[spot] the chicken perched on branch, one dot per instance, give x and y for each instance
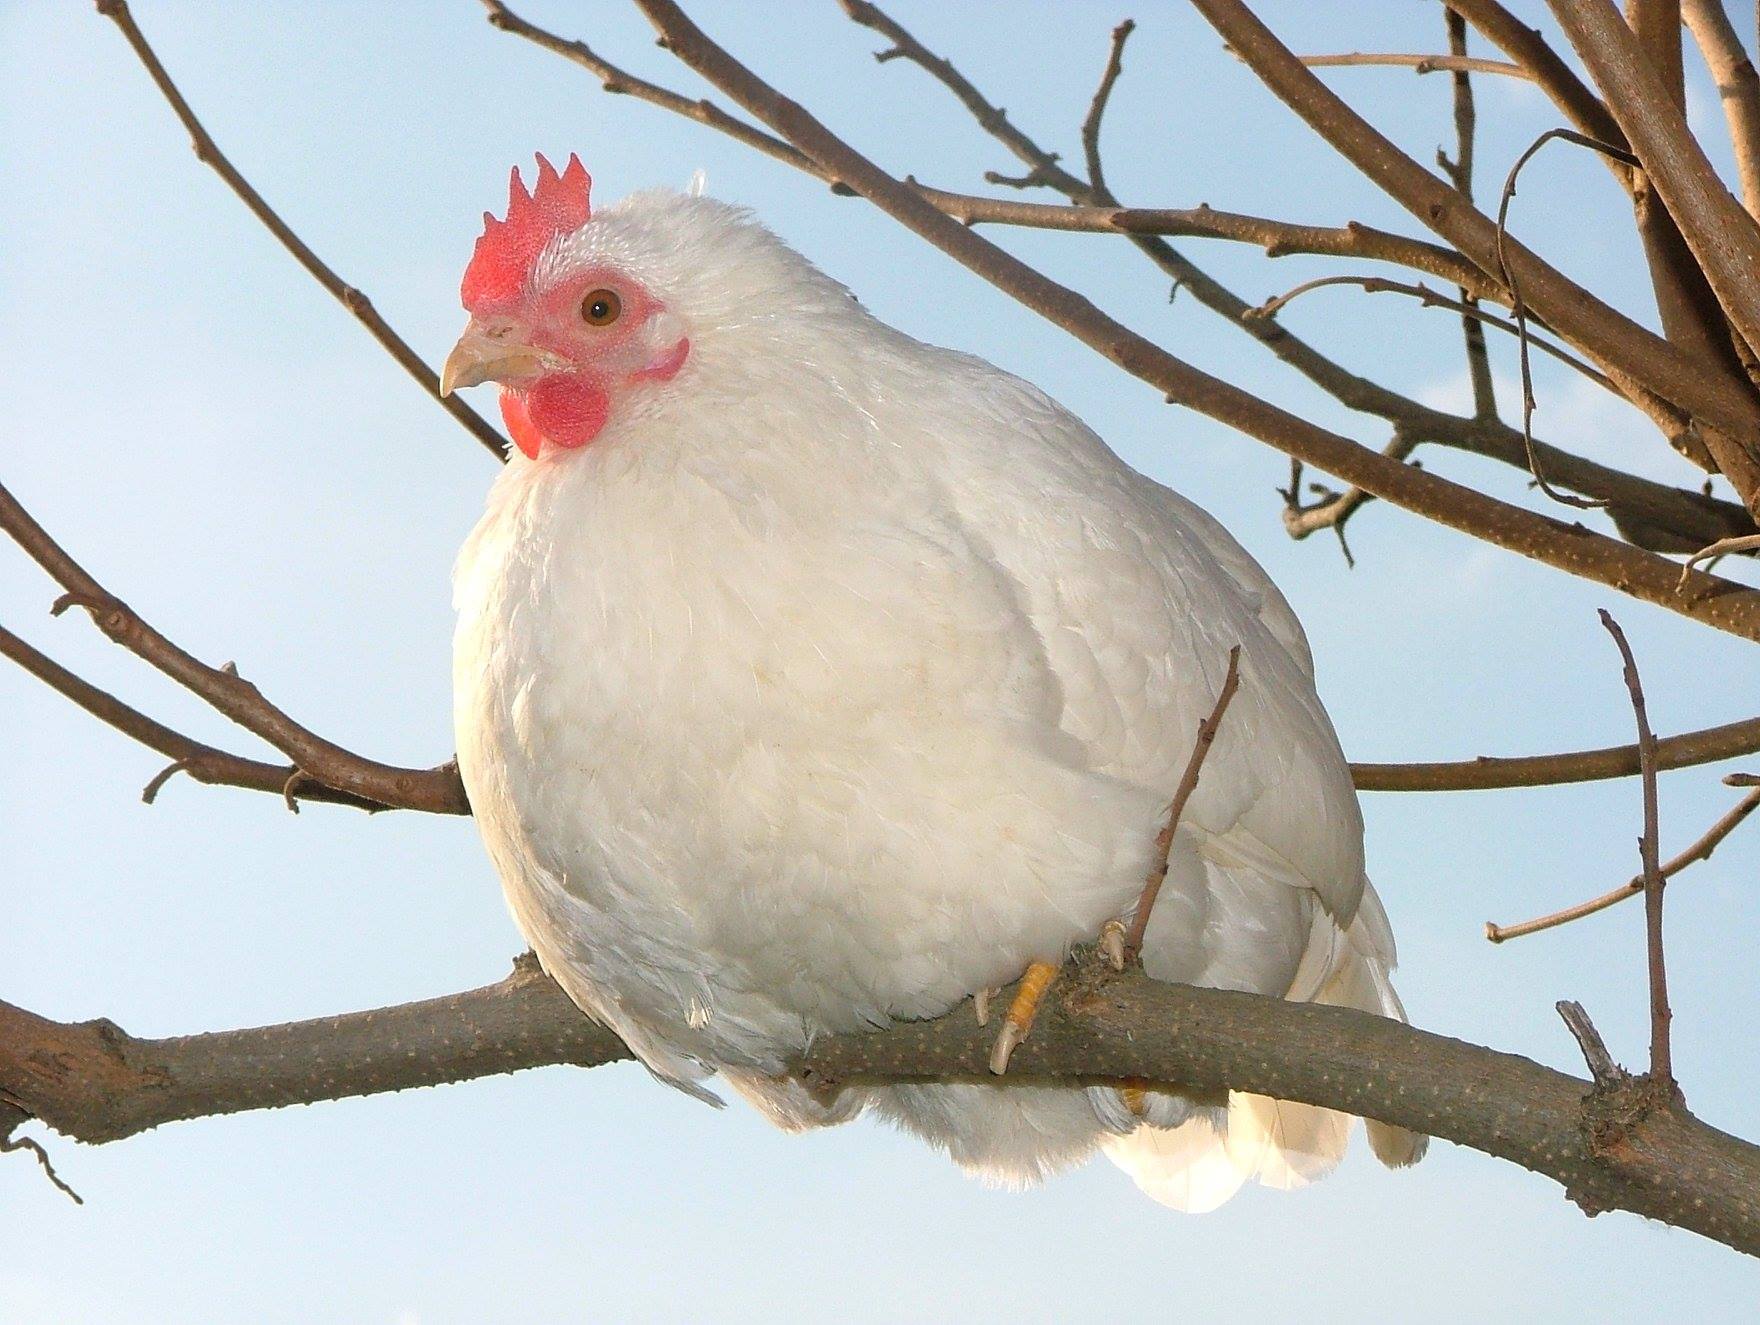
(809, 678)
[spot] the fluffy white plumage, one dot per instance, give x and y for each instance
(842, 676)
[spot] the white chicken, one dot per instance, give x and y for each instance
(809, 678)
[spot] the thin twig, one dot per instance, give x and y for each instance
(1700, 850)
(1429, 298)
(1648, 514)
(351, 297)
(1188, 783)
(1423, 64)
(1723, 547)
(1578, 550)
(436, 790)
(11, 1116)
(204, 763)
(1640, 510)
(1097, 108)
(1459, 169)
(1519, 307)
(1493, 772)
(1661, 1059)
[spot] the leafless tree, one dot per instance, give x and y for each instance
(1615, 1140)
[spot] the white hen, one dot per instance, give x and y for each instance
(809, 678)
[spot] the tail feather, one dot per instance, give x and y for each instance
(1184, 1168)
(1198, 1165)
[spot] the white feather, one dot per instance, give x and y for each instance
(842, 676)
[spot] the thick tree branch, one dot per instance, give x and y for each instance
(351, 298)
(1571, 548)
(1647, 514)
(1723, 237)
(437, 790)
(94, 1082)
(1737, 85)
(1626, 351)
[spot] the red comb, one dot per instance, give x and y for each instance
(507, 249)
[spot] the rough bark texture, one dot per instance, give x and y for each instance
(1610, 1147)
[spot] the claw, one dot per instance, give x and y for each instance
(981, 1005)
(1112, 943)
(1007, 1040)
(1021, 1012)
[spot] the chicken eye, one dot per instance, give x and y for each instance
(601, 308)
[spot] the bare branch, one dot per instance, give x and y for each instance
(1577, 550)
(1661, 1060)
(94, 1082)
(437, 790)
(1493, 772)
(1188, 783)
(1460, 174)
(1649, 515)
(351, 297)
(1622, 348)
(1423, 64)
(1700, 850)
(1097, 108)
(1722, 236)
(204, 763)
(1433, 299)
(1737, 85)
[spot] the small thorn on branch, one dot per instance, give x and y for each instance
(1605, 1072)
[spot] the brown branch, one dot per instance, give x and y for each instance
(1647, 514)
(1737, 85)
(1700, 850)
(1529, 50)
(1519, 306)
(1460, 173)
(1574, 549)
(204, 763)
(96, 1083)
(1723, 238)
(1661, 1059)
(1423, 64)
(1651, 515)
(1622, 348)
(437, 790)
(1493, 772)
(1429, 298)
(351, 297)
(1188, 783)
(1097, 108)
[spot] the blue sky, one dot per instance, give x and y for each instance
(216, 440)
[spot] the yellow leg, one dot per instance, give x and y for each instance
(1021, 1012)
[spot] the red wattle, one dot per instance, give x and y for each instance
(568, 409)
(519, 423)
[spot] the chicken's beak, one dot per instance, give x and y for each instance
(490, 352)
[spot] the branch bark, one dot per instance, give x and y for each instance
(351, 297)
(1572, 548)
(1737, 85)
(94, 1082)
(437, 790)
(1626, 351)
